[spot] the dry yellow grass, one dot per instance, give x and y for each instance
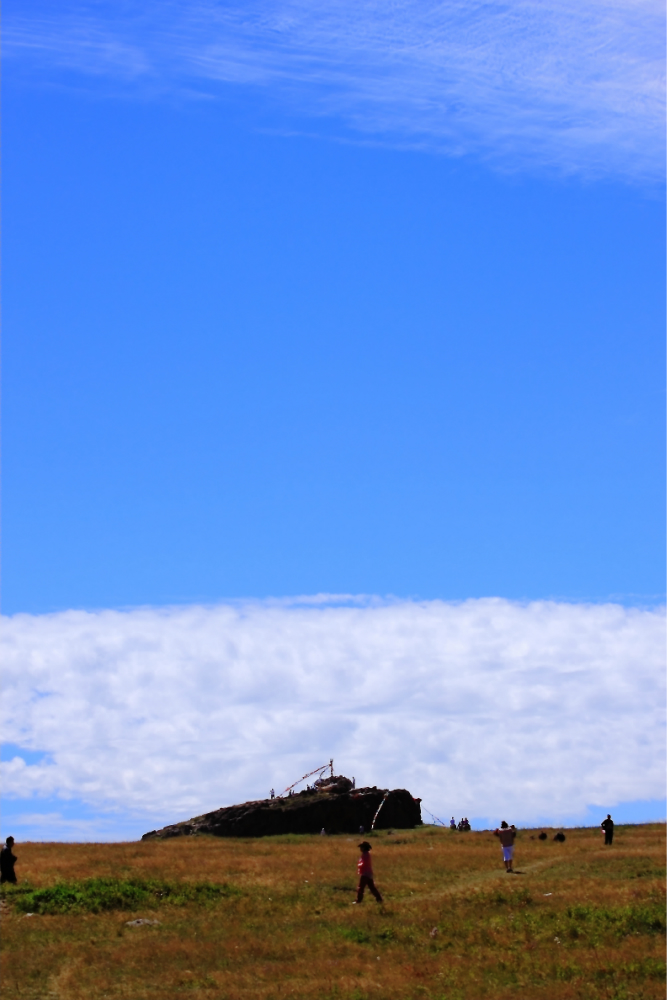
(581, 921)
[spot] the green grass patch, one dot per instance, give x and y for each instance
(646, 919)
(355, 935)
(363, 936)
(107, 894)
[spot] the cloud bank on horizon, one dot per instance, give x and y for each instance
(486, 708)
(568, 86)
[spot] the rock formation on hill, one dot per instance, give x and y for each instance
(333, 805)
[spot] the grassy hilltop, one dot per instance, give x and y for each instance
(273, 918)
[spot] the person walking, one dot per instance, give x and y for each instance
(7, 860)
(608, 828)
(507, 834)
(365, 871)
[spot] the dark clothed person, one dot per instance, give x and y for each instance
(365, 871)
(608, 828)
(7, 861)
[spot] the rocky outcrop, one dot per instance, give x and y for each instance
(337, 809)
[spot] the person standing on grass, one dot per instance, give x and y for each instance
(608, 828)
(7, 860)
(365, 871)
(507, 835)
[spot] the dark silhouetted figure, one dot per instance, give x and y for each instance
(7, 860)
(542, 836)
(608, 828)
(365, 871)
(559, 837)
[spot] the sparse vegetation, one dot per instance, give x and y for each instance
(272, 918)
(108, 894)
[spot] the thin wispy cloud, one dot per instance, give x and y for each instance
(568, 86)
(486, 708)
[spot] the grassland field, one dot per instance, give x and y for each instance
(274, 918)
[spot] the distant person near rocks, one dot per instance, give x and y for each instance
(452, 824)
(507, 835)
(365, 871)
(608, 828)
(7, 861)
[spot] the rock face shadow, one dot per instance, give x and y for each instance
(334, 807)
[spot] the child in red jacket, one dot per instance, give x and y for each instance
(365, 870)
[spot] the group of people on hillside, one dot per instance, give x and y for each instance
(506, 834)
(463, 824)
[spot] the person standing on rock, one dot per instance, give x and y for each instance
(7, 861)
(608, 828)
(507, 835)
(365, 871)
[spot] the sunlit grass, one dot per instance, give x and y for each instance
(273, 918)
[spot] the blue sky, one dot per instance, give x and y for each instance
(331, 301)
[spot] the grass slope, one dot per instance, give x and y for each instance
(272, 918)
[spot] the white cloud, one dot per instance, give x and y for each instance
(484, 708)
(575, 85)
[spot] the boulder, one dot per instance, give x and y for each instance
(307, 812)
